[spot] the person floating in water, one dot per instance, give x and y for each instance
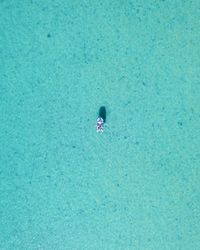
(100, 124)
(101, 119)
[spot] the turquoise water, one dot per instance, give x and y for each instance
(64, 186)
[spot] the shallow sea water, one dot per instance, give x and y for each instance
(64, 186)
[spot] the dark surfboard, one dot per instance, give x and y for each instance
(102, 113)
